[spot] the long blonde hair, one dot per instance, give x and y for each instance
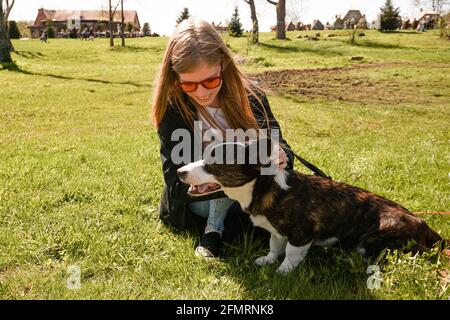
(196, 41)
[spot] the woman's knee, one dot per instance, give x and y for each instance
(214, 207)
(200, 208)
(220, 206)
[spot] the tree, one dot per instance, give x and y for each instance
(112, 12)
(50, 29)
(235, 25)
(7, 7)
(294, 10)
(406, 25)
(122, 24)
(255, 28)
(5, 56)
(439, 6)
(183, 15)
(146, 29)
(390, 17)
(23, 28)
(444, 22)
(13, 30)
(281, 17)
(129, 27)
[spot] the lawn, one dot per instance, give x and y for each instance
(80, 175)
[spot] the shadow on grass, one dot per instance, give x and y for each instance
(326, 273)
(400, 32)
(29, 54)
(306, 49)
(13, 67)
(378, 45)
(278, 48)
(135, 48)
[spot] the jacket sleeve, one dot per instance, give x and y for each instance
(176, 188)
(271, 123)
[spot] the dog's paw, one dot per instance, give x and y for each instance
(262, 261)
(285, 268)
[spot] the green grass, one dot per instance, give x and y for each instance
(80, 175)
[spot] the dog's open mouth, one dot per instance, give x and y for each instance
(203, 189)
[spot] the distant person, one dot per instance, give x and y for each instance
(91, 33)
(421, 27)
(85, 34)
(44, 36)
(199, 79)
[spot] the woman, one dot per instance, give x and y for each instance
(199, 81)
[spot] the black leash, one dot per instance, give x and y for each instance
(312, 167)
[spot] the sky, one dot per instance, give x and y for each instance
(162, 14)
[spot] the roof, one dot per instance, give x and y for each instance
(100, 15)
(355, 14)
(420, 14)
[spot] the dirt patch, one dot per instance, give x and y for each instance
(342, 83)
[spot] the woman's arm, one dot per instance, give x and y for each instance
(176, 188)
(169, 123)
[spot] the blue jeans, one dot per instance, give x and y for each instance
(214, 210)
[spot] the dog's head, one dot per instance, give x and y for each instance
(230, 165)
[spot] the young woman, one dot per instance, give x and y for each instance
(199, 81)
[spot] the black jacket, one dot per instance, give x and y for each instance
(173, 206)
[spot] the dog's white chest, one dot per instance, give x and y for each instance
(262, 222)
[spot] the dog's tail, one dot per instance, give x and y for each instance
(445, 247)
(432, 238)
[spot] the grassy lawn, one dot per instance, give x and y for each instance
(80, 175)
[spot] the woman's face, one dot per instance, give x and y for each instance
(203, 96)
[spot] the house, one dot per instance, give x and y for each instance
(219, 28)
(290, 26)
(429, 20)
(65, 20)
(376, 24)
(338, 23)
(317, 25)
(362, 23)
(352, 18)
(421, 20)
(300, 26)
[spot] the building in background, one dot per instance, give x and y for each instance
(67, 20)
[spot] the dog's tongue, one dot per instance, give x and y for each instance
(203, 187)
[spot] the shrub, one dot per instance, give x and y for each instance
(235, 26)
(13, 30)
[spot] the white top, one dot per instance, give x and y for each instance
(218, 115)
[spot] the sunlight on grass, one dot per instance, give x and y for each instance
(81, 178)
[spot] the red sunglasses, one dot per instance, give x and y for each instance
(210, 83)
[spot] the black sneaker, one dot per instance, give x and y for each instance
(210, 245)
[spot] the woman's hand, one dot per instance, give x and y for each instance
(282, 159)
